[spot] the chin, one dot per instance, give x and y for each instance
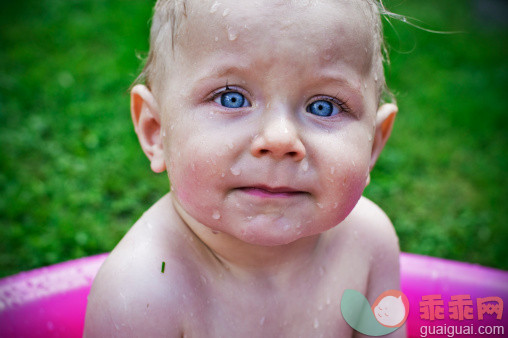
(272, 237)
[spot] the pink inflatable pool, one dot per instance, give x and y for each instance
(51, 301)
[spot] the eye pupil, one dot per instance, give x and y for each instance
(232, 100)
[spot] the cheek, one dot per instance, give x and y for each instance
(196, 163)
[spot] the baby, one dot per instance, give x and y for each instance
(266, 115)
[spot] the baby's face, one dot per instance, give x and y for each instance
(268, 115)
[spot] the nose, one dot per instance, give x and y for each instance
(278, 138)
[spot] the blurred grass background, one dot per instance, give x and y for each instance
(73, 178)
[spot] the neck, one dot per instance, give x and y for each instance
(248, 259)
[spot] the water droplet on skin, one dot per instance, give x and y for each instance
(163, 133)
(354, 164)
(335, 205)
(305, 165)
(214, 7)
(171, 126)
(235, 171)
(216, 214)
(248, 218)
(223, 175)
(286, 227)
(262, 321)
(232, 35)
(370, 138)
(316, 323)
(320, 205)
(203, 279)
(216, 38)
(375, 77)
(365, 85)
(226, 12)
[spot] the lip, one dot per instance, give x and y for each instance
(272, 192)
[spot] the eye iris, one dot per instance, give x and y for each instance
(232, 100)
(320, 108)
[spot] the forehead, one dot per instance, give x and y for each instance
(335, 25)
(339, 25)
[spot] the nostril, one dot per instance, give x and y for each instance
(292, 153)
(263, 151)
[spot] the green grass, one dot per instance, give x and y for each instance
(73, 178)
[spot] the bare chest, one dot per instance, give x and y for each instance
(308, 308)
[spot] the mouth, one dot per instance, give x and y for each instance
(273, 192)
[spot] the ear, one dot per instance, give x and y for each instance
(146, 119)
(384, 123)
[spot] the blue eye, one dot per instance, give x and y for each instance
(232, 100)
(322, 108)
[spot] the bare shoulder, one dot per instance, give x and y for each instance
(379, 236)
(131, 295)
(374, 224)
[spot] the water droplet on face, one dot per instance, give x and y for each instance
(226, 12)
(232, 35)
(235, 171)
(223, 175)
(320, 205)
(316, 323)
(305, 164)
(365, 85)
(370, 138)
(216, 38)
(214, 7)
(262, 321)
(286, 227)
(375, 77)
(163, 133)
(216, 214)
(335, 205)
